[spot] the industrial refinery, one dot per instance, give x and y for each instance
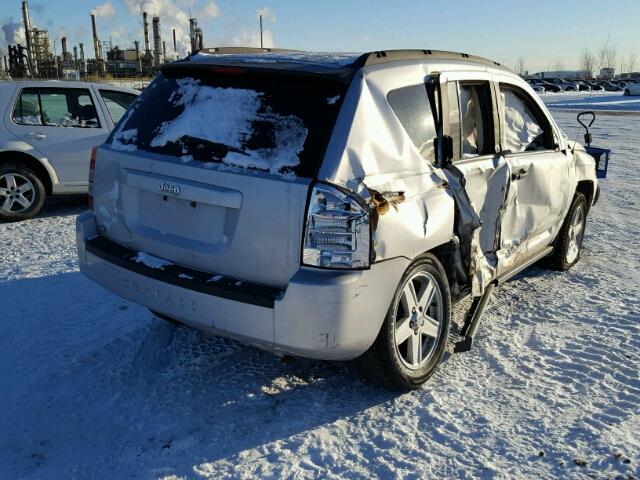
(38, 57)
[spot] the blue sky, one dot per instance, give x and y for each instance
(542, 32)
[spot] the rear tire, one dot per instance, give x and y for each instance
(627, 92)
(413, 337)
(569, 242)
(22, 193)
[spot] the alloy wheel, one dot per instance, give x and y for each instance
(419, 314)
(576, 232)
(17, 193)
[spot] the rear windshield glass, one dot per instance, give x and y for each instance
(276, 124)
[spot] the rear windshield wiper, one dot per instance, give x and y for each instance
(215, 146)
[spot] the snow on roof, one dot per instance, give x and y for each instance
(324, 59)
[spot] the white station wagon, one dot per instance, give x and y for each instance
(47, 132)
(333, 206)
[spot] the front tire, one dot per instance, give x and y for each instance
(22, 193)
(413, 337)
(569, 242)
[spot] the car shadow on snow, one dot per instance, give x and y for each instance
(56, 206)
(100, 377)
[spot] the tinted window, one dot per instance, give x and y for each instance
(476, 120)
(27, 108)
(411, 106)
(273, 123)
(56, 107)
(117, 103)
(525, 127)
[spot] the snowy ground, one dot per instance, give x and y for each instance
(94, 387)
(597, 100)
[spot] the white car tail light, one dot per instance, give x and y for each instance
(92, 167)
(337, 231)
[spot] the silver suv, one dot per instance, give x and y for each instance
(47, 132)
(333, 206)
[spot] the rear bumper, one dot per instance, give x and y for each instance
(320, 314)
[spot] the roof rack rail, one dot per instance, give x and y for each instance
(241, 50)
(385, 56)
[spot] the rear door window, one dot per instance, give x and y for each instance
(476, 120)
(411, 106)
(117, 103)
(275, 123)
(56, 107)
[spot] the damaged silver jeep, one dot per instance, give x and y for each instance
(333, 206)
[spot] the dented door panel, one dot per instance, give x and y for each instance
(535, 206)
(487, 185)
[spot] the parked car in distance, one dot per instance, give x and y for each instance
(632, 88)
(46, 136)
(564, 85)
(582, 85)
(241, 197)
(610, 87)
(595, 86)
(535, 87)
(548, 87)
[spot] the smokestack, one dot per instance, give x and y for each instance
(81, 46)
(199, 39)
(164, 49)
(145, 24)
(75, 53)
(175, 47)
(65, 52)
(157, 40)
(136, 44)
(193, 25)
(261, 44)
(27, 35)
(96, 44)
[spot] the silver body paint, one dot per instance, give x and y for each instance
(255, 222)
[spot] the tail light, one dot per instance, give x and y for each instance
(337, 231)
(92, 167)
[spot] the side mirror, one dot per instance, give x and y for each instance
(447, 149)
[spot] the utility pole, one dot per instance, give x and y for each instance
(261, 43)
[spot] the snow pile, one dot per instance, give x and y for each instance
(599, 101)
(125, 140)
(151, 261)
(226, 116)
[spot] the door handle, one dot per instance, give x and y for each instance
(519, 174)
(37, 136)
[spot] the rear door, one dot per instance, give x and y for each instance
(471, 120)
(540, 188)
(211, 169)
(63, 124)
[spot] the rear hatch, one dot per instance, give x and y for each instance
(211, 167)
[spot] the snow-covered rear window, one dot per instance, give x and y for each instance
(274, 124)
(524, 128)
